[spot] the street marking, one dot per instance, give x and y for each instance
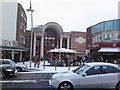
(19, 81)
(23, 81)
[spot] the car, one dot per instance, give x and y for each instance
(19, 66)
(7, 70)
(94, 75)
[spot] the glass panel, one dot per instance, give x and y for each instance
(107, 69)
(94, 70)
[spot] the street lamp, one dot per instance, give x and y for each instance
(31, 10)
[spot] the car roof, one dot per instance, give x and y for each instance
(101, 63)
(7, 60)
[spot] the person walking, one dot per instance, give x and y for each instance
(36, 60)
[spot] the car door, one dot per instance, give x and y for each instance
(109, 76)
(92, 79)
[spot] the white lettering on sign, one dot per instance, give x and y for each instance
(8, 43)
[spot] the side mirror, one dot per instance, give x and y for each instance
(84, 74)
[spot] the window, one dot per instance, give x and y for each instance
(23, 26)
(22, 39)
(81, 69)
(94, 70)
(115, 70)
(6, 62)
(110, 69)
(107, 69)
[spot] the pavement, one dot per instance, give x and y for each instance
(45, 67)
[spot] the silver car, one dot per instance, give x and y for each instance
(90, 75)
(19, 66)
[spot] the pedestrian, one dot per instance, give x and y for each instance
(36, 60)
(65, 59)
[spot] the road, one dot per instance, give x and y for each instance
(30, 81)
(27, 81)
(26, 85)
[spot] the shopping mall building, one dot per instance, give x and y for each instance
(103, 41)
(51, 36)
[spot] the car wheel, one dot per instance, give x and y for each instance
(118, 86)
(19, 69)
(65, 86)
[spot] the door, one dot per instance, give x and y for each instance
(92, 79)
(109, 76)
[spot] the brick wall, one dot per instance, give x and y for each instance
(78, 41)
(28, 38)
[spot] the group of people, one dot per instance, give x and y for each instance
(66, 60)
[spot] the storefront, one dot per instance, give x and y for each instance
(48, 37)
(103, 41)
(10, 50)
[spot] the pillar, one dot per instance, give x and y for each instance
(1, 53)
(20, 55)
(42, 46)
(34, 47)
(61, 39)
(68, 43)
(12, 54)
(57, 44)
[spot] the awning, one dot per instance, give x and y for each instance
(13, 48)
(109, 50)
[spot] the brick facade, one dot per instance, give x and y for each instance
(78, 42)
(21, 25)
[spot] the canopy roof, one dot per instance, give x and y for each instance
(109, 50)
(13, 48)
(62, 50)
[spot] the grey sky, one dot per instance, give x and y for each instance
(72, 15)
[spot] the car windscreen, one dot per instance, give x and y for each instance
(80, 69)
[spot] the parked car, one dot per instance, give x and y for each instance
(89, 75)
(7, 70)
(19, 66)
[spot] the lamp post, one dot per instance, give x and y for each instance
(31, 10)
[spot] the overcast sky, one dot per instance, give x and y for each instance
(71, 15)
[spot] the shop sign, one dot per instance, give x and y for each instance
(8, 43)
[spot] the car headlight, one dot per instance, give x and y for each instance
(8, 69)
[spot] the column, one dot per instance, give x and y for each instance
(57, 43)
(20, 55)
(1, 53)
(42, 46)
(34, 47)
(68, 43)
(61, 41)
(12, 54)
